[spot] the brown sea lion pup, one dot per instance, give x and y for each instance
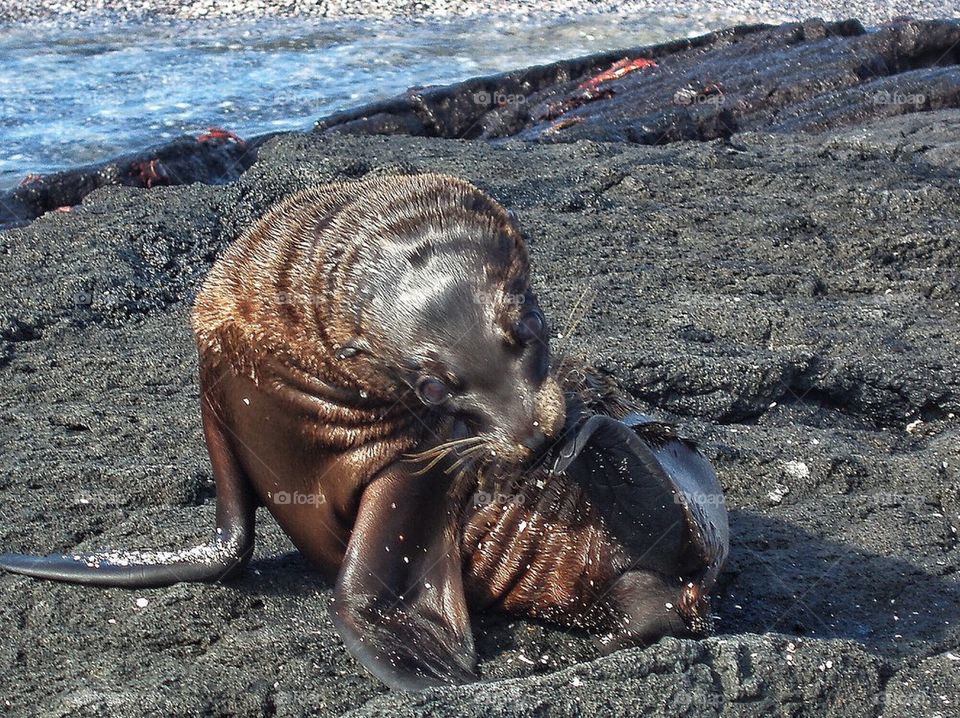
(368, 351)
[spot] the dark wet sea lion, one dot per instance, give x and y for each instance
(368, 351)
(622, 531)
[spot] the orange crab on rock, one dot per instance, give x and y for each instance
(150, 173)
(218, 134)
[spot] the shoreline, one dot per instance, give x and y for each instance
(659, 96)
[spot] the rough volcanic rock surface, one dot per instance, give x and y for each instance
(215, 157)
(809, 76)
(791, 301)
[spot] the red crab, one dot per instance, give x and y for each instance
(590, 90)
(151, 173)
(616, 71)
(218, 134)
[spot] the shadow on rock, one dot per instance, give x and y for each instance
(781, 578)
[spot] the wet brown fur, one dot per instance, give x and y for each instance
(262, 305)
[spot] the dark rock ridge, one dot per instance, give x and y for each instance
(216, 159)
(790, 299)
(808, 76)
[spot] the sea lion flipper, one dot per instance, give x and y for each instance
(224, 556)
(660, 497)
(655, 486)
(399, 603)
(630, 488)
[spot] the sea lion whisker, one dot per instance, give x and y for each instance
(465, 456)
(580, 309)
(575, 317)
(486, 481)
(467, 453)
(442, 448)
(436, 460)
(438, 453)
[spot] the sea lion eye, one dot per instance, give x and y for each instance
(529, 327)
(432, 392)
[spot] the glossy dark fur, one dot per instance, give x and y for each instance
(372, 362)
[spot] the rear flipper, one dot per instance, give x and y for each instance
(399, 603)
(132, 569)
(661, 500)
(641, 607)
(221, 558)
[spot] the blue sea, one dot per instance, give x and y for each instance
(73, 95)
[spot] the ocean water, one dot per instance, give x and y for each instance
(70, 96)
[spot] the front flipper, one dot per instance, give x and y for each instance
(399, 603)
(626, 483)
(223, 557)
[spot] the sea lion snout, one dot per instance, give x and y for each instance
(551, 407)
(533, 425)
(519, 445)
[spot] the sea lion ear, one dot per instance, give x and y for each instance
(661, 499)
(399, 603)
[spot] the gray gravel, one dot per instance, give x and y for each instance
(871, 12)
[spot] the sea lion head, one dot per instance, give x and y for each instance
(443, 317)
